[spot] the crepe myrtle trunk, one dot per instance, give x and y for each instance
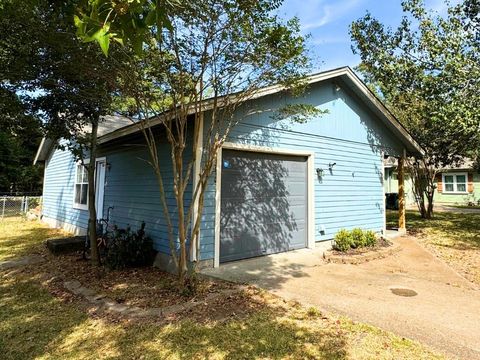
(423, 177)
(92, 219)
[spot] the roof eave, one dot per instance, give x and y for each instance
(43, 150)
(411, 146)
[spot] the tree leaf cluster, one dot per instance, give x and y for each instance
(428, 72)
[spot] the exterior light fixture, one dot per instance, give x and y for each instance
(319, 172)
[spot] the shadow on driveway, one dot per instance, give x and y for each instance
(444, 313)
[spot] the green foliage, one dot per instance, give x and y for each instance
(20, 134)
(126, 248)
(66, 84)
(428, 71)
(358, 238)
(223, 50)
(343, 240)
(125, 22)
(355, 238)
(370, 238)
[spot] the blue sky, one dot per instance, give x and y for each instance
(328, 21)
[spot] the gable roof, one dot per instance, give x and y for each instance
(348, 77)
(346, 74)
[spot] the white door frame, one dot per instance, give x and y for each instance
(100, 185)
(265, 149)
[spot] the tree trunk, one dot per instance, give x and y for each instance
(92, 220)
(423, 178)
(429, 210)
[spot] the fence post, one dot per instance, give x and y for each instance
(26, 204)
(3, 207)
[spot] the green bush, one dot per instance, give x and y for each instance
(343, 240)
(126, 248)
(370, 238)
(356, 238)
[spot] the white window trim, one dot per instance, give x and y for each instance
(75, 204)
(455, 191)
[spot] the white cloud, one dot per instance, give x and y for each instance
(322, 40)
(317, 13)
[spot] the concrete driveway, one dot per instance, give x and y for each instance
(444, 314)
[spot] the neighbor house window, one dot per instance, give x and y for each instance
(81, 187)
(455, 183)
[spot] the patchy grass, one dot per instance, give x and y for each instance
(466, 206)
(143, 287)
(453, 237)
(19, 237)
(34, 324)
(39, 320)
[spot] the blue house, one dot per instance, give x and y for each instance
(278, 185)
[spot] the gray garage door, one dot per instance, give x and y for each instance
(263, 204)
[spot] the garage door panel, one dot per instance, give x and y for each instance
(263, 204)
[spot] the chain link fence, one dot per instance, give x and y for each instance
(16, 205)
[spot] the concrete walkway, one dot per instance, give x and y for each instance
(444, 313)
(456, 210)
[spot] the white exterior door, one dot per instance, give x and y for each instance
(100, 169)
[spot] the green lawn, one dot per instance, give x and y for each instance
(454, 237)
(37, 322)
(19, 237)
(466, 206)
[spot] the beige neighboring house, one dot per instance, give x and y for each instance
(455, 185)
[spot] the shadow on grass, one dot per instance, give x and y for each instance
(462, 231)
(34, 324)
(30, 319)
(262, 335)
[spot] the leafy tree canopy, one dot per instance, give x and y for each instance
(20, 135)
(67, 84)
(428, 71)
(220, 50)
(126, 22)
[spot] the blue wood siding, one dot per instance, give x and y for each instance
(131, 188)
(58, 190)
(351, 195)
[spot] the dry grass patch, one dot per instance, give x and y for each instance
(35, 324)
(19, 237)
(39, 319)
(453, 237)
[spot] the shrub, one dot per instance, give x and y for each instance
(358, 238)
(126, 248)
(370, 238)
(343, 240)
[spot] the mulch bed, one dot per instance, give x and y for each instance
(382, 249)
(145, 288)
(381, 244)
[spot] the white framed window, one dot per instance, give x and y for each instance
(455, 183)
(80, 191)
